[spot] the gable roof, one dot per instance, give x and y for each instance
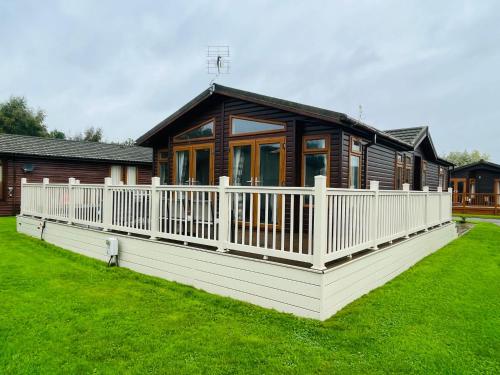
(286, 105)
(412, 136)
(415, 136)
(66, 149)
(480, 163)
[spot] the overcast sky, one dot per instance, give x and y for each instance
(126, 65)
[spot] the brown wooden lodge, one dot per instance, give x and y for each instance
(261, 140)
(36, 158)
(476, 188)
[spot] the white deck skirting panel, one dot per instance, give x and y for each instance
(349, 281)
(300, 291)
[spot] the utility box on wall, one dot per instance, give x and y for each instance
(112, 246)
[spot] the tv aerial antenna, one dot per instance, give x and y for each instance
(218, 61)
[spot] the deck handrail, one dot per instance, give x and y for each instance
(315, 225)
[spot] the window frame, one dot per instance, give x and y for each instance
(442, 175)
(128, 168)
(199, 125)
(423, 173)
(160, 161)
(254, 119)
(121, 173)
(407, 169)
(315, 151)
(359, 155)
(471, 184)
(399, 166)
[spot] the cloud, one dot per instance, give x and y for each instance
(127, 65)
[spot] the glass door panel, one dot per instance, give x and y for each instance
(182, 167)
(242, 175)
(202, 166)
(242, 165)
(269, 167)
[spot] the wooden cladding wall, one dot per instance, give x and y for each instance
(221, 109)
(58, 171)
(377, 161)
(380, 165)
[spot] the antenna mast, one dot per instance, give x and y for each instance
(218, 61)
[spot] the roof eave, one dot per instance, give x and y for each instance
(335, 117)
(143, 139)
(73, 158)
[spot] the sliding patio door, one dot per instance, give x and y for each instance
(257, 162)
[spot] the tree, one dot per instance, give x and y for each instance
(90, 134)
(17, 118)
(57, 134)
(128, 142)
(463, 158)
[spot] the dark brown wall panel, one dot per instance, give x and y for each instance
(380, 166)
(58, 171)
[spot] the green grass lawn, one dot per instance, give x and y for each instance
(64, 313)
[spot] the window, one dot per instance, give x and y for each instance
(424, 173)
(116, 174)
(399, 175)
(131, 175)
(407, 177)
(472, 186)
(202, 131)
(2, 187)
(355, 145)
(315, 155)
(161, 166)
(240, 125)
(355, 163)
(442, 178)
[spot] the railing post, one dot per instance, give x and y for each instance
(426, 190)
(155, 207)
(320, 223)
(440, 191)
(374, 215)
(450, 193)
(406, 188)
(224, 214)
(71, 200)
(23, 197)
(45, 195)
(107, 205)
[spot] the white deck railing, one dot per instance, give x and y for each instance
(314, 225)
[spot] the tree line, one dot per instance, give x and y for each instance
(16, 117)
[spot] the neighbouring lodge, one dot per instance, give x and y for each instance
(261, 140)
(476, 188)
(36, 158)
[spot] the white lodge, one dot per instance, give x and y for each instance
(265, 234)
